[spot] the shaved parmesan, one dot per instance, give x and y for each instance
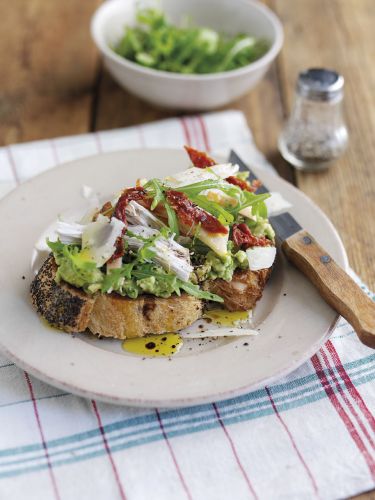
(224, 170)
(218, 332)
(216, 241)
(246, 212)
(260, 257)
(194, 174)
(277, 204)
(99, 239)
(69, 232)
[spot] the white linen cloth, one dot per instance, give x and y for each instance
(310, 435)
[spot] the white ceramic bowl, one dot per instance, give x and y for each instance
(190, 92)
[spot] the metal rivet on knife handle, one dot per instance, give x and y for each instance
(325, 259)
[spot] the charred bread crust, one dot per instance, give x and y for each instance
(121, 317)
(243, 291)
(61, 304)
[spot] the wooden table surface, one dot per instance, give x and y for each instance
(52, 84)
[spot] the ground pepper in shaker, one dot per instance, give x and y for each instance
(315, 134)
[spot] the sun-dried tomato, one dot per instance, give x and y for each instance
(119, 248)
(199, 159)
(190, 215)
(244, 185)
(130, 194)
(244, 238)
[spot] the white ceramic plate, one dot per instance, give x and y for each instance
(292, 319)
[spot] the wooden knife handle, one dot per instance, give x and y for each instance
(333, 283)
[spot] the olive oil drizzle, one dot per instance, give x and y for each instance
(226, 318)
(154, 345)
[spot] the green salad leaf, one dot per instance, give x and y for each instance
(73, 265)
(154, 42)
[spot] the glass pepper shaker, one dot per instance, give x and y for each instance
(315, 134)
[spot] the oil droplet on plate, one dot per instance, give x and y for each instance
(153, 346)
(227, 318)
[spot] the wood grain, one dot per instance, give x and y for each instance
(48, 68)
(333, 283)
(343, 38)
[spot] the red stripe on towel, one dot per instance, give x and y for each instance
(237, 458)
(180, 475)
(186, 131)
(308, 471)
(42, 437)
(350, 386)
(108, 450)
(342, 414)
(204, 133)
(344, 397)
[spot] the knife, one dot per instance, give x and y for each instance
(336, 287)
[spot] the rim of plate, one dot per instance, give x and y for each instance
(183, 401)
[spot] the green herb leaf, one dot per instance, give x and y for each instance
(156, 190)
(155, 42)
(197, 292)
(251, 199)
(223, 216)
(172, 219)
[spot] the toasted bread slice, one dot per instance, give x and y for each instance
(245, 289)
(61, 304)
(121, 317)
(72, 310)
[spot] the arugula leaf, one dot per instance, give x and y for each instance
(172, 219)
(248, 199)
(260, 209)
(56, 246)
(223, 216)
(197, 292)
(156, 190)
(154, 187)
(197, 187)
(111, 279)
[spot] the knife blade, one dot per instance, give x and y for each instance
(335, 286)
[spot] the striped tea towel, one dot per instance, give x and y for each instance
(311, 435)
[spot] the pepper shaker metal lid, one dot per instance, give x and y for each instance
(320, 84)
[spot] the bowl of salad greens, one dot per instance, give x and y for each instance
(187, 55)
